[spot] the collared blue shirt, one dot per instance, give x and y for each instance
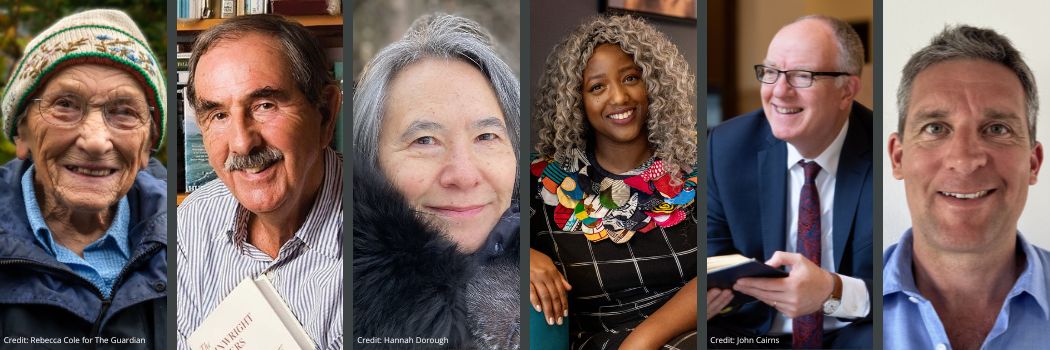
(103, 259)
(910, 321)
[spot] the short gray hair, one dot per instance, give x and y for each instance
(966, 42)
(851, 49)
(430, 36)
(306, 60)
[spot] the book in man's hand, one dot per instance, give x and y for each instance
(724, 270)
(252, 316)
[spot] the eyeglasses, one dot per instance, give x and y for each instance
(68, 110)
(796, 78)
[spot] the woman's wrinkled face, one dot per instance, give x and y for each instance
(444, 145)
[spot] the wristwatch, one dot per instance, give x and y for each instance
(835, 299)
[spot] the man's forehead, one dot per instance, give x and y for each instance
(981, 87)
(807, 44)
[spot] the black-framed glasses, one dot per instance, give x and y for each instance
(796, 78)
(68, 110)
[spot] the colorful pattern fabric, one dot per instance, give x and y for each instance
(613, 207)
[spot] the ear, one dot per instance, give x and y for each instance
(333, 100)
(21, 144)
(1036, 161)
(896, 151)
(850, 90)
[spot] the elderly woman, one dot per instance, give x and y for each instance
(435, 226)
(82, 229)
(613, 216)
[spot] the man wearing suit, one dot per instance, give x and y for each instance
(791, 184)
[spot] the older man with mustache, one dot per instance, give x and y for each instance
(267, 118)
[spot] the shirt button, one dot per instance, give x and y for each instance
(942, 347)
(916, 300)
(159, 286)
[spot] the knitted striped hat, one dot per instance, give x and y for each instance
(106, 37)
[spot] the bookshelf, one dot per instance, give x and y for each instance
(318, 21)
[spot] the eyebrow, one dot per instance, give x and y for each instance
(773, 65)
(489, 123)
(268, 92)
(941, 114)
(264, 92)
(420, 126)
(625, 68)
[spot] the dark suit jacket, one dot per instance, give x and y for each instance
(747, 194)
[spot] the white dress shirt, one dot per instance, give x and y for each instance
(855, 302)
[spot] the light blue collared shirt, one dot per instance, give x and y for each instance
(103, 259)
(910, 322)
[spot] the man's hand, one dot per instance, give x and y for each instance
(547, 288)
(801, 293)
(717, 299)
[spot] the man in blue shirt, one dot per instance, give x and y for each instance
(963, 277)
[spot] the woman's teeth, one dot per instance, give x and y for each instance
(90, 172)
(622, 116)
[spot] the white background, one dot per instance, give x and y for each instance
(909, 25)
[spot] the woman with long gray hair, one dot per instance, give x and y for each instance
(435, 221)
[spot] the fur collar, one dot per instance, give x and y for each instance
(408, 280)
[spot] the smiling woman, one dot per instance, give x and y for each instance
(435, 223)
(613, 225)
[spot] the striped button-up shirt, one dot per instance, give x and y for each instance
(214, 256)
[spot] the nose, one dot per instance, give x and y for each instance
(965, 153)
(461, 169)
(781, 87)
(95, 137)
(619, 94)
(243, 134)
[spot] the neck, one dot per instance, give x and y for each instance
(71, 229)
(963, 282)
(270, 230)
(619, 158)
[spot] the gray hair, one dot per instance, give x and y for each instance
(306, 60)
(851, 49)
(430, 36)
(966, 42)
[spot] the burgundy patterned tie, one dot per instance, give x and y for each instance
(808, 330)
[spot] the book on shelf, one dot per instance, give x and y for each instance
(724, 270)
(195, 160)
(252, 316)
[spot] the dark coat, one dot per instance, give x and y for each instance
(42, 297)
(409, 281)
(747, 199)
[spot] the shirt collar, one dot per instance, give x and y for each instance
(1033, 279)
(828, 159)
(118, 228)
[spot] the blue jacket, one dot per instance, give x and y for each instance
(747, 199)
(42, 297)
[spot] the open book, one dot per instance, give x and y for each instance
(252, 316)
(724, 270)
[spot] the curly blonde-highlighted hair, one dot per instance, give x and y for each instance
(559, 107)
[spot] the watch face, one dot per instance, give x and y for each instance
(830, 306)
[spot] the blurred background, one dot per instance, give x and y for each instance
(20, 21)
(377, 23)
(738, 37)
